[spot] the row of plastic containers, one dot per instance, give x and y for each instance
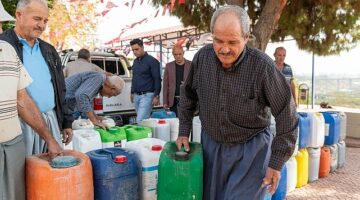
(309, 165)
(320, 150)
(147, 169)
(319, 129)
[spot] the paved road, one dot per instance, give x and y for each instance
(343, 184)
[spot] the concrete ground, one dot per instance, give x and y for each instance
(343, 184)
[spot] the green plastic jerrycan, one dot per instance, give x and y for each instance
(136, 132)
(180, 174)
(114, 137)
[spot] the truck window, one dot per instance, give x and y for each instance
(112, 65)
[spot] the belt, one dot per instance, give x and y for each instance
(141, 93)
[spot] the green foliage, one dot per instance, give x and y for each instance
(320, 26)
(324, 27)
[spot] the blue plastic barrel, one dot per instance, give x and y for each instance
(280, 192)
(304, 130)
(116, 174)
(332, 127)
(163, 114)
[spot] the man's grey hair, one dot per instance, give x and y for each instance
(279, 48)
(239, 12)
(23, 3)
(117, 82)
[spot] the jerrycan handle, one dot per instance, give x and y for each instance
(109, 152)
(181, 155)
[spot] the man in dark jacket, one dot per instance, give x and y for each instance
(44, 66)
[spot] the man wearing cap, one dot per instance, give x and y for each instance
(44, 66)
(15, 101)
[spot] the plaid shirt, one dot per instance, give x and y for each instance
(81, 88)
(235, 103)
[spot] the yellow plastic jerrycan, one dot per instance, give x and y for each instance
(302, 159)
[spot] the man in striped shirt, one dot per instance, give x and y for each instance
(235, 86)
(81, 89)
(14, 101)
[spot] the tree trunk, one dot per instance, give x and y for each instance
(267, 22)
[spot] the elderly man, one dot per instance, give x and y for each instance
(175, 74)
(44, 66)
(81, 89)
(235, 85)
(15, 101)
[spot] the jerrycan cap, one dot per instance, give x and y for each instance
(156, 148)
(162, 121)
(113, 130)
(64, 162)
(181, 155)
(120, 159)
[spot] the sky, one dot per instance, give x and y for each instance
(110, 25)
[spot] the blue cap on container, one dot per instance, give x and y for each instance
(64, 162)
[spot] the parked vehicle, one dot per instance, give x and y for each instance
(118, 65)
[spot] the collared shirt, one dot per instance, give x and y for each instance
(80, 65)
(13, 77)
(287, 72)
(146, 75)
(234, 103)
(41, 89)
(81, 89)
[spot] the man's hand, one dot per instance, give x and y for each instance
(156, 101)
(100, 118)
(54, 149)
(100, 124)
(271, 179)
(67, 135)
(183, 140)
(132, 98)
(166, 106)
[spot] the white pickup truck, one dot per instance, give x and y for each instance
(119, 65)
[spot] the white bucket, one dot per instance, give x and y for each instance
(82, 124)
(291, 166)
(196, 129)
(314, 163)
(150, 123)
(85, 140)
(162, 130)
(317, 128)
(148, 150)
(174, 128)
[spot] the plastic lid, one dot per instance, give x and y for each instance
(113, 130)
(162, 121)
(64, 162)
(156, 148)
(120, 159)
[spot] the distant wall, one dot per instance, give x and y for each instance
(353, 124)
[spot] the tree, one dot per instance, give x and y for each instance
(71, 25)
(320, 26)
